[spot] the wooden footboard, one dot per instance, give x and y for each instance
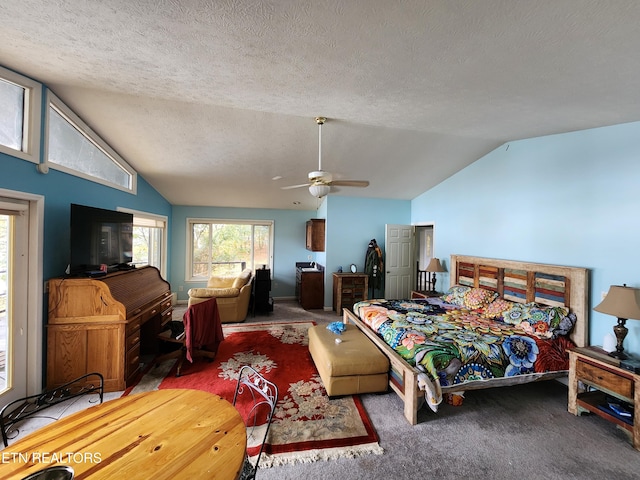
(403, 378)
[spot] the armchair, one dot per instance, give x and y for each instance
(232, 293)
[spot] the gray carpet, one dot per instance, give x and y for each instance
(520, 432)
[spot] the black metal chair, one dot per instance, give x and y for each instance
(18, 410)
(259, 397)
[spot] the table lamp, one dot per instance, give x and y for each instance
(624, 303)
(433, 267)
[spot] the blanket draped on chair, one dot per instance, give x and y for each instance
(202, 327)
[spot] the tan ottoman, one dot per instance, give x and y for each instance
(353, 366)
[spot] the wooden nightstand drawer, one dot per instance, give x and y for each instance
(597, 376)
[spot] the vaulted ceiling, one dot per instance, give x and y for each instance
(209, 100)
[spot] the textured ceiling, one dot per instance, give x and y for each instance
(210, 99)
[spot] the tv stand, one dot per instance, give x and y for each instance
(105, 324)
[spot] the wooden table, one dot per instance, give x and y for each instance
(162, 434)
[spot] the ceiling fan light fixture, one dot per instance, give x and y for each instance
(319, 191)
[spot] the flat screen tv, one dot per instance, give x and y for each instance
(100, 237)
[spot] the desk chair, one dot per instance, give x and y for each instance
(255, 398)
(201, 336)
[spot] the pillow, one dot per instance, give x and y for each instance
(496, 308)
(565, 326)
(539, 320)
(478, 298)
(455, 295)
(519, 312)
(242, 279)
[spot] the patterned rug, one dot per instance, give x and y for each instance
(307, 425)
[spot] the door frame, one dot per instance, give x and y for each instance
(35, 287)
(415, 253)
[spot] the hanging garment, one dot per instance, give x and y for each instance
(373, 265)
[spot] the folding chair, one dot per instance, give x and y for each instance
(256, 396)
(15, 412)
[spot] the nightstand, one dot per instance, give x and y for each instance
(593, 376)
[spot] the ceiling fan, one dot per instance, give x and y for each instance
(320, 182)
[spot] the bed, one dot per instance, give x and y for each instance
(501, 323)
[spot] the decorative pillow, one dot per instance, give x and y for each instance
(242, 279)
(539, 320)
(565, 326)
(496, 308)
(455, 295)
(519, 312)
(478, 298)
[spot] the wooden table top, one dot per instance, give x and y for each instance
(161, 434)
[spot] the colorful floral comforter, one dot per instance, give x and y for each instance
(455, 344)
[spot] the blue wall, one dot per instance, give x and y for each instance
(289, 243)
(567, 199)
(60, 191)
(351, 223)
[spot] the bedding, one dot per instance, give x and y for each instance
(470, 335)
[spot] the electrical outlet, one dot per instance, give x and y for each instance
(309, 257)
(180, 288)
(602, 295)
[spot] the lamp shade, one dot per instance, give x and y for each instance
(621, 302)
(434, 266)
(319, 191)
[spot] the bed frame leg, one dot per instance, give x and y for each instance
(411, 399)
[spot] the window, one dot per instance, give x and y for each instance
(20, 105)
(225, 247)
(149, 240)
(74, 148)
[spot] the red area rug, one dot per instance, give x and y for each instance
(307, 425)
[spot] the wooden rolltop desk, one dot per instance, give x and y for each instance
(104, 325)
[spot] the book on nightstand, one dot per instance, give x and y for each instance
(630, 364)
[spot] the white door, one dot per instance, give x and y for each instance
(14, 268)
(399, 260)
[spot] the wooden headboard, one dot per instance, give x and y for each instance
(523, 282)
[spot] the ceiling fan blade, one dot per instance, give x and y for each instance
(295, 186)
(350, 183)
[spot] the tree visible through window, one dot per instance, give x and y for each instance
(227, 247)
(149, 233)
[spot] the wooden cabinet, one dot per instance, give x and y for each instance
(310, 289)
(595, 379)
(315, 235)
(348, 289)
(105, 325)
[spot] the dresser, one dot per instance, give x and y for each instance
(104, 325)
(348, 289)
